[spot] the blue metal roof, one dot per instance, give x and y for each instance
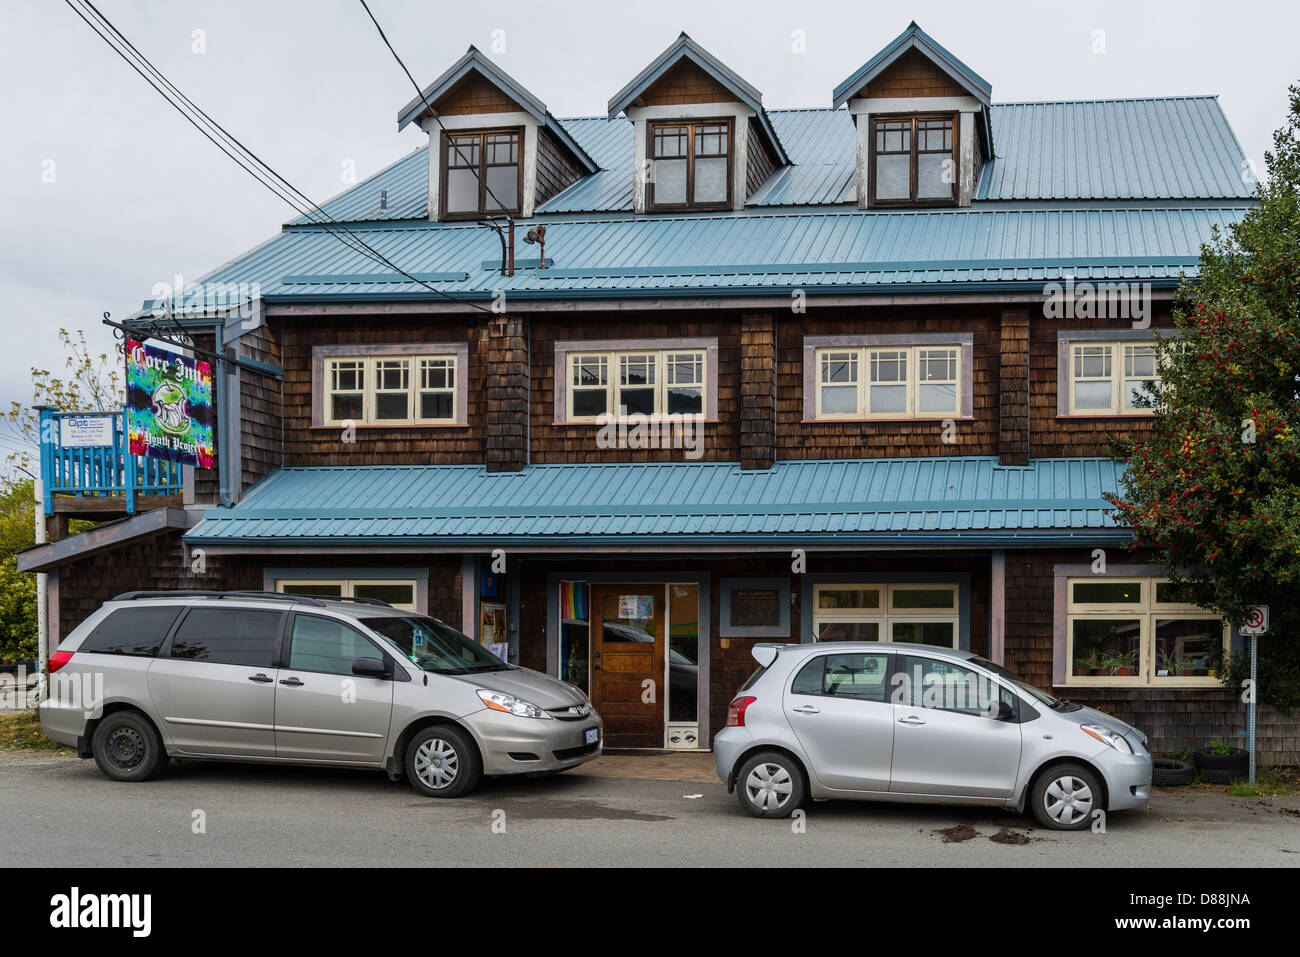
(1168, 148)
(774, 251)
(940, 500)
(1164, 147)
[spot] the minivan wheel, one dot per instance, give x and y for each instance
(770, 785)
(442, 762)
(127, 748)
(1066, 796)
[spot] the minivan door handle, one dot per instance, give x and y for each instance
(291, 682)
(260, 678)
(806, 709)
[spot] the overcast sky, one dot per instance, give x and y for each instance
(139, 196)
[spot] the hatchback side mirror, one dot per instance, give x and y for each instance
(1005, 712)
(369, 668)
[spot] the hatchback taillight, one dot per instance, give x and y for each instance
(736, 711)
(59, 659)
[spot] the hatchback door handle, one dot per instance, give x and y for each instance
(291, 682)
(806, 709)
(912, 720)
(260, 678)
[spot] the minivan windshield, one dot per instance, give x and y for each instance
(433, 646)
(1018, 681)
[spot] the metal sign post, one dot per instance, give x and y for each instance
(1250, 713)
(1256, 624)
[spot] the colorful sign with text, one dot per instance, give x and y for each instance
(169, 405)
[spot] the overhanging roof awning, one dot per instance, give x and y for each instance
(102, 538)
(923, 501)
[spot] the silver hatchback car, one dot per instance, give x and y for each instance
(293, 679)
(903, 722)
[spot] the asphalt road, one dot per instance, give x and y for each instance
(59, 810)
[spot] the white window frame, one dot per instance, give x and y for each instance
(347, 587)
(370, 392)
(866, 359)
(887, 614)
(1117, 353)
(1146, 612)
(613, 364)
(418, 389)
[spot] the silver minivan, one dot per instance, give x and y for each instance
(903, 722)
(294, 679)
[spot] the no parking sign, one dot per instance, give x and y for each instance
(1256, 622)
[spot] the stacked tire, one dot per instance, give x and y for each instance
(1223, 768)
(1171, 773)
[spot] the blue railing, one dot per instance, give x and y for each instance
(103, 468)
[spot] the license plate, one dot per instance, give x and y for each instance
(593, 735)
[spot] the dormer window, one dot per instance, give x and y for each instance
(482, 175)
(914, 160)
(691, 164)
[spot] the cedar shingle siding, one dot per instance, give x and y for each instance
(475, 95)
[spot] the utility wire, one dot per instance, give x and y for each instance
(266, 175)
(429, 106)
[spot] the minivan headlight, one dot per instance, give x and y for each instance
(511, 705)
(1106, 736)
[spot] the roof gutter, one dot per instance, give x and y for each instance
(1028, 538)
(782, 292)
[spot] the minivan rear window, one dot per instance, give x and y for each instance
(138, 632)
(228, 636)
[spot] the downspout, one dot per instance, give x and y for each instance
(223, 420)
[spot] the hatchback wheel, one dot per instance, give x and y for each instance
(770, 785)
(127, 748)
(443, 762)
(1066, 796)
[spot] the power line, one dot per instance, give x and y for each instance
(247, 160)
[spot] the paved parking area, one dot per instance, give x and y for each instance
(620, 810)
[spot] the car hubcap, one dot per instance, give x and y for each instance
(1068, 800)
(436, 763)
(125, 748)
(769, 786)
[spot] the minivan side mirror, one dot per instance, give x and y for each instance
(369, 667)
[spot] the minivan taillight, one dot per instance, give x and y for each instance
(736, 710)
(59, 659)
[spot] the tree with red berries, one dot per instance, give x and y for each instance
(1214, 490)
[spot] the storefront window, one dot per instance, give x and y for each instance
(920, 614)
(1139, 632)
(398, 593)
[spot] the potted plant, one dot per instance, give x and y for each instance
(1122, 663)
(1173, 664)
(1093, 663)
(1222, 763)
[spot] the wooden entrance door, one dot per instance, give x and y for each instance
(627, 663)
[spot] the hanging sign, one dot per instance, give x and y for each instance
(169, 405)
